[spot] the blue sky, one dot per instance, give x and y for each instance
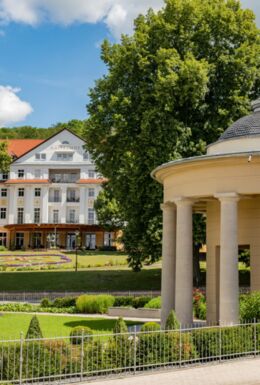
(50, 54)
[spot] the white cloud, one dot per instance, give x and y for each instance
(117, 14)
(12, 108)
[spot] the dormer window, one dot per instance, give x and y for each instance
(64, 156)
(20, 174)
(65, 142)
(40, 156)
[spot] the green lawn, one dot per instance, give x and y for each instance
(11, 325)
(88, 280)
(86, 259)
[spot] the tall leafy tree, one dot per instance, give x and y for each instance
(5, 158)
(187, 72)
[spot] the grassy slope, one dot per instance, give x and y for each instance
(93, 280)
(11, 325)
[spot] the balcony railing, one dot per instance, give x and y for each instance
(73, 199)
(64, 178)
(69, 220)
(55, 199)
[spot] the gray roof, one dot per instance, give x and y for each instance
(246, 126)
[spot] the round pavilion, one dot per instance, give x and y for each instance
(225, 185)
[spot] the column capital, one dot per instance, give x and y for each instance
(183, 201)
(168, 205)
(227, 197)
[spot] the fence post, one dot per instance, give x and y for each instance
(135, 349)
(220, 343)
(82, 355)
(21, 359)
(255, 338)
(180, 345)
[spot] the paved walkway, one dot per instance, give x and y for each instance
(240, 372)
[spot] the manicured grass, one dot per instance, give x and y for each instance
(92, 280)
(86, 259)
(11, 325)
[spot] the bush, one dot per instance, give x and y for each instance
(3, 248)
(201, 312)
(120, 326)
(150, 327)
(154, 303)
(46, 302)
(123, 301)
(34, 330)
(64, 302)
(107, 248)
(81, 333)
(234, 340)
(250, 306)
(94, 304)
(172, 322)
(139, 302)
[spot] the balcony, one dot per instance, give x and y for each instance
(54, 199)
(73, 199)
(64, 176)
(72, 221)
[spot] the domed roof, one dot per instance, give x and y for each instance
(246, 126)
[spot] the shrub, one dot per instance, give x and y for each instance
(154, 303)
(150, 326)
(34, 330)
(172, 322)
(201, 312)
(250, 306)
(81, 333)
(3, 248)
(139, 302)
(124, 301)
(46, 302)
(94, 304)
(234, 340)
(120, 326)
(64, 302)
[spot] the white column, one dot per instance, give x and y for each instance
(168, 260)
(184, 261)
(63, 204)
(228, 266)
(28, 205)
(82, 205)
(12, 205)
(45, 205)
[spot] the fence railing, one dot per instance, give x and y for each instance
(38, 296)
(64, 359)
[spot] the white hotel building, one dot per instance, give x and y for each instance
(48, 196)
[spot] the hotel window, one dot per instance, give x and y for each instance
(20, 192)
(91, 192)
(37, 174)
(3, 239)
(5, 175)
(20, 215)
(4, 192)
(91, 173)
(3, 213)
(37, 214)
(72, 216)
(64, 157)
(40, 156)
(37, 192)
(108, 239)
(91, 216)
(20, 174)
(55, 216)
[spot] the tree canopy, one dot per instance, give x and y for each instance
(187, 72)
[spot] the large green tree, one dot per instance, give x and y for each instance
(187, 72)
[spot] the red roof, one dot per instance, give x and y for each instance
(26, 181)
(18, 147)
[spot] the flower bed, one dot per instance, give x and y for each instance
(26, 260)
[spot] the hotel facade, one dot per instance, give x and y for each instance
(47, 198)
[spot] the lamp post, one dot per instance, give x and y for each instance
(77, 233)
